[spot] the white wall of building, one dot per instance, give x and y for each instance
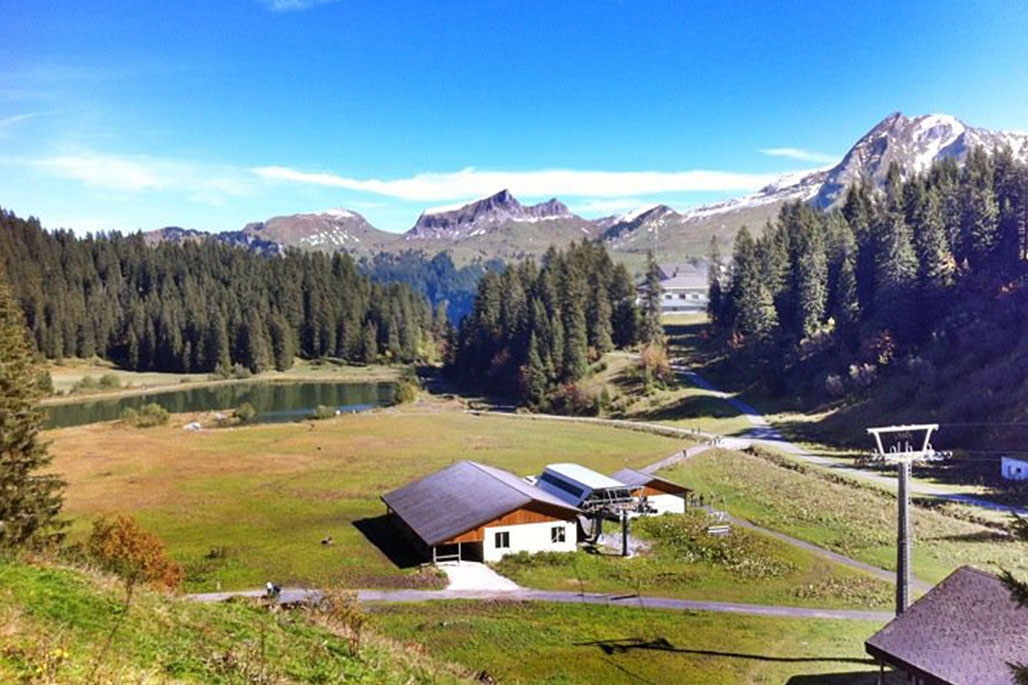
(667, 504)
(1014, 469)
(530, 537)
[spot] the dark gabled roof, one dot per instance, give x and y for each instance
(638, 479)
(462, 497)
(964, 630)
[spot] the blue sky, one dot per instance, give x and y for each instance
(134, 115)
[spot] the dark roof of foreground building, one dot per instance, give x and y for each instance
(964, 630)
(635, 479)
(447, 503)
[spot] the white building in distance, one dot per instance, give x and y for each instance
(1013, 469)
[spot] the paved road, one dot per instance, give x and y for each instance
(296, 595)
(762, 432)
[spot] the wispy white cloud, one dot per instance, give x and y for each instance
(470, 182)
(292, 5)
(7, 123)
(800, 154)
(204, 183)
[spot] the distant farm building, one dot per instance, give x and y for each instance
(1013, 469)
(478, 512)
(964, 630)
(657, 495)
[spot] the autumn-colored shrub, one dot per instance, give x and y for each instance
(121, 546)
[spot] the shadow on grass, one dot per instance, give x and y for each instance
(979, 536)
(384, 533)
(660, 644)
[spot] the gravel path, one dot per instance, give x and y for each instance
(296, 595)
(763, 432)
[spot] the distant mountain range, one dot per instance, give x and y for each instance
(500, 226)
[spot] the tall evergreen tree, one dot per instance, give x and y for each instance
(714, 295)
(30, 501)
(651, 330)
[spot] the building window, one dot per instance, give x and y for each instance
(503, 540)
(557, 534)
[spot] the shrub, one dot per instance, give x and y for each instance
(45, 383)
(654, 363)
(122, 547)
(241, 372)
(244, 412)
(834, 385)
(574, 400)
(405, 391)
(863, 375)
(85, 384)
(148, 416)
(323, 412)
(342, 610)
(110, 381)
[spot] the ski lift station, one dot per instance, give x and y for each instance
(474, 512)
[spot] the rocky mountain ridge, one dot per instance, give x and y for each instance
(501, 226)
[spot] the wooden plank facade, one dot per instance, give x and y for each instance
(535, 512)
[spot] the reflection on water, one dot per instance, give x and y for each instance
(274, 402)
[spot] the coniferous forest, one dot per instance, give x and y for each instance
(204, 307)
(535, 328)
(933, 262)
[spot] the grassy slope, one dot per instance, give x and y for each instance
(54, 621)
(557, 644)
(856, 521)
(270, 493)
(772, 572)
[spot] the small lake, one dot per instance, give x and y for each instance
(274, 402)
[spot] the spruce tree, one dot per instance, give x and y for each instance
(30, 501)
(651, 328)
(714, 295)
(534, 378)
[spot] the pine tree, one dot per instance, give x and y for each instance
(895, 272)
(979, 219)
(714, 296)
(811, 281)
(29, 501)
(370, 343)
(651, 328)
(534, 378)
(752, 304)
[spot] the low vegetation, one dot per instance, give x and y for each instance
(854, 520)
(55, 621)
(680, 559)
(147, 416)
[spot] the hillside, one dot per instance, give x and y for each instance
(54, 621)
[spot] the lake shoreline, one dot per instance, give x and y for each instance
(57, 400)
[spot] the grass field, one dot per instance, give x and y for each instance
(684, 561)
(859, 522)
(578, 644)
(71, 371)
(242, 506)
(55, 620)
